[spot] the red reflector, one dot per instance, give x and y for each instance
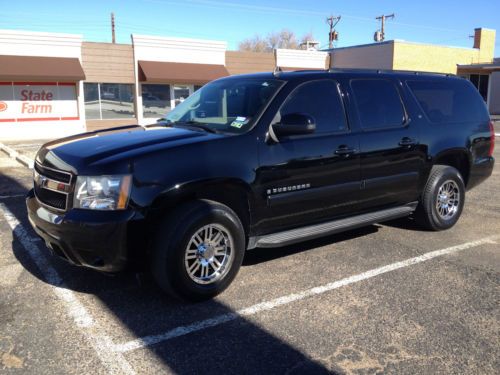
(61, 187)
(492, 139)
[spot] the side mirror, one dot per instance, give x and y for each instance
(294, 124)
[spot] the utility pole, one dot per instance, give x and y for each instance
(380, 35)
(332, 35)
(113, 28)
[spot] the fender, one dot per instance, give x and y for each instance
(233, 192)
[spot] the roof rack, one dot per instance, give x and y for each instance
(382, 71)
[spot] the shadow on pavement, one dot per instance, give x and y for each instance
(239, 346)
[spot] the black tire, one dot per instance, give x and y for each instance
(427, 213)
(175, 232)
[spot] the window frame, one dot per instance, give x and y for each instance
(406, 118)
(340, 93)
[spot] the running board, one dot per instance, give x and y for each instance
(324, 229)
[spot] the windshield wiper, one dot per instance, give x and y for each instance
(194, 124)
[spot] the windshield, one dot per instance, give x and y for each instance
(228, 106)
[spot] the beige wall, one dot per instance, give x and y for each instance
(108, 63)
(373, 56)
(429, 58)
(249, 62)
(484, 40)
(401, 55)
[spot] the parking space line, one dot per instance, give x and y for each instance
(102, 344)
(12, 196)
(285, 300)
(13, 154)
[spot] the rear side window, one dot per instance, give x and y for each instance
(379, 104)
(449, 101)
(321, 100)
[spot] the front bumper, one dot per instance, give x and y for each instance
(94, 239)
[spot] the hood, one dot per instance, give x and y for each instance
(84, 149)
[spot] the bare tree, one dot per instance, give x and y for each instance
(282, 39)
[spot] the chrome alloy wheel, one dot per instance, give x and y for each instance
(209, 254)
(448, 199)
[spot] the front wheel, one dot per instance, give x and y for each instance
(198, 250)
(442, 200)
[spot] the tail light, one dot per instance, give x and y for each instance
(492, 139)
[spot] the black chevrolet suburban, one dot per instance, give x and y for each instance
(262, 160)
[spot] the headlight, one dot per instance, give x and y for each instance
(102, 192)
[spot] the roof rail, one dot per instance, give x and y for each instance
(382, 71)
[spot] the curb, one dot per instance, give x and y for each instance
(13, 154)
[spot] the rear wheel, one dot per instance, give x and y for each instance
(198, 250)
(442, 200)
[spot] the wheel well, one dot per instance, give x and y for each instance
(234, 197)
(458, 160)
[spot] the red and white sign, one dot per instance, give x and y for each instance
(37, 101)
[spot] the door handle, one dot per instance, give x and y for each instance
(344, 151)
(407, 142)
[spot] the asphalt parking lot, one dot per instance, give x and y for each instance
(383, 299)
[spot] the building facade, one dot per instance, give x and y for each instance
(53, 85)
(486, 78)
(476, 63)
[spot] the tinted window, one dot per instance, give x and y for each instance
(228, 105)
(448, 101)
(379, 104)
(321, 100)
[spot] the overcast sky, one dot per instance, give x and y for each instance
(441, 22)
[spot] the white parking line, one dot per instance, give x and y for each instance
(102, 344)
(269, 305)
(12, 196)
(13, 154)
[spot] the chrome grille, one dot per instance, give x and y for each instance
(53, 173)
(52, 187)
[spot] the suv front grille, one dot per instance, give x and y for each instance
(53, 174)
(52, 187)
(51, 198)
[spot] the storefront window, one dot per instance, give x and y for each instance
(480, 81)
(180, 93)
(155, 100)
(117, 101)
(92, 106)
(108, 101)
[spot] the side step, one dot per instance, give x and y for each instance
(324, 229)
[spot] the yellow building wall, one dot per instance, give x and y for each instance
(429, 58)
(484, 39)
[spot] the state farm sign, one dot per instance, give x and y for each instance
(23, 101)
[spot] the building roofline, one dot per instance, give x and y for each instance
(394, 41)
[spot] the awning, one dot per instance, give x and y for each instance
(168, 72)
(34, 68)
